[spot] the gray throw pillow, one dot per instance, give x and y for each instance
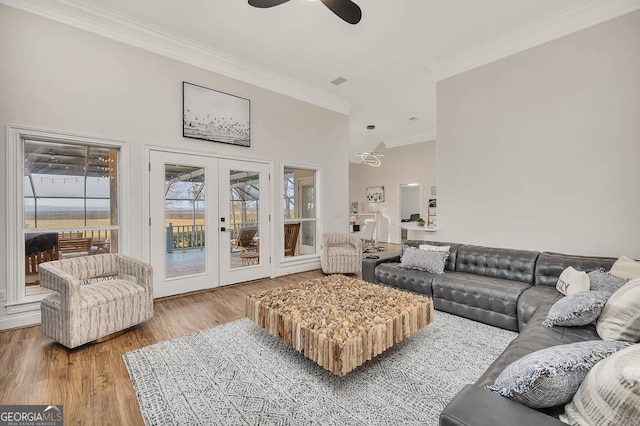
(551, 376)
(578, 309)
(423, 260)
(604, 281)
(610, 394)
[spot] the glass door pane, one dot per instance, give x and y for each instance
(184, 220)
(244, 215)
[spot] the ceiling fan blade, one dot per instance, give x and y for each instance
(266, 3)
(347, 10)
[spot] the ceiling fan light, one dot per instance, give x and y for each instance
(371, 158)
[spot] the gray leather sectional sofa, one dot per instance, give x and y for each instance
(511, 289)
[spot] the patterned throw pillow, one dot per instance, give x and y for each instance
(423, 260)
(430, 247)
(626, 268)
(604, 281)
(551, 376)
(578, 309)
(620, 317)
(610, 394)
(571, 281)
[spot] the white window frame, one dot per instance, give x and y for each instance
(301, 258)
(17, 300)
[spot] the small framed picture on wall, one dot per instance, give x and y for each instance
(375, 194)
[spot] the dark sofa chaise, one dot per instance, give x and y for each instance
(511, 289)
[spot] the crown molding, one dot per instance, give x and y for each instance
(408, 140)
(140, 34)
(566, 21)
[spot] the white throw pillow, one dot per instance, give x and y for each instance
(610, 394)
(571, 281)
(429, 247)
(626, 268)
(620, 317)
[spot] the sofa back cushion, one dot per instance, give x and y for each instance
(515, 265)
(550, 265)
(453, 250)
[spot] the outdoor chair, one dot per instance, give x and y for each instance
(101, 246)
(95, 297)
(291, 232)
(245, 240)
(74, 247)
(341, 253)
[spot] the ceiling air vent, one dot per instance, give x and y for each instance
(338, 81)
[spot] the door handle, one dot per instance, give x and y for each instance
(223, 229)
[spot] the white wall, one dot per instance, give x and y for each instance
(58, 77)
(540, 150)
(405, 164)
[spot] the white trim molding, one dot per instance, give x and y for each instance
(134, 32)
(534, 33)
(408, 140)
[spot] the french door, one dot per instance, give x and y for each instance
(244, 212)
(199, 207)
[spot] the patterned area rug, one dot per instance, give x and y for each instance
(238, 374)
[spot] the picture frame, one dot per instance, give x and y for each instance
(375, 194)
(215, 116)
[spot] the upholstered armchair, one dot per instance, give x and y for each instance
(341, 253)
(95, 296)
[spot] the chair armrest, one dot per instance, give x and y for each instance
(355, 241)
(369, 265)
(141, 270)
(64, 283)
(476, 406)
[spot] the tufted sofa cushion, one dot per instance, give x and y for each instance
(486, 299)
(507, 264)
(407, 279)
(533, 298)
(550, 265)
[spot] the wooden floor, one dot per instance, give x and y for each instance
(92, 381)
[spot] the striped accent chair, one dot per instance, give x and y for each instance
(95, 296)
(341, 253)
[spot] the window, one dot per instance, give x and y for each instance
(70, 204)
(300, 211)
(46, 205)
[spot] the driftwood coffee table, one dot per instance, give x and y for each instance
(337, 321)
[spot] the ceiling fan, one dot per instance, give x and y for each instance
(347, 10)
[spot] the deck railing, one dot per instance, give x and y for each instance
(187, 237)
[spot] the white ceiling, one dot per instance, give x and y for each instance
(391, 59)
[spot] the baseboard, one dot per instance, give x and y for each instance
(294, 268)
(20, 320)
